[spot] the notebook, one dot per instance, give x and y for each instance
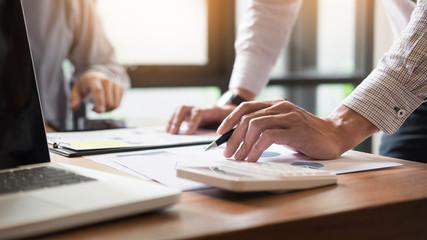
(57, 196)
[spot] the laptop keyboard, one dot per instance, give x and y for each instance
(36, 178)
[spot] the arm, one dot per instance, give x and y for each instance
(264, 32)
(398, 85)
(382, 102)
(93, 57)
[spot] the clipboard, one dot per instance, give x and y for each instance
(82, 143)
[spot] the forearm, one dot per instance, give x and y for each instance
(350, 128)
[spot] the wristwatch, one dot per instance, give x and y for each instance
(230, 98)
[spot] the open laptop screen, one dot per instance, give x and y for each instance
(22, 134)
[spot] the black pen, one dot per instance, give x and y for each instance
(224, 138)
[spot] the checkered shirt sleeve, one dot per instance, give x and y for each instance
(398, 85)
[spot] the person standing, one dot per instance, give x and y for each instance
(62, 30)
(383, 101)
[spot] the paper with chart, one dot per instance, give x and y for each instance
(161, 164)
(148, 137)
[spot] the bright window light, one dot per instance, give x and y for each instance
(160, 32)
(336, 36)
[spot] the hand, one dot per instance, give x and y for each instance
(260, 124)
(197, 117)
(107, 94)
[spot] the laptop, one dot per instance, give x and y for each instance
(36, 195)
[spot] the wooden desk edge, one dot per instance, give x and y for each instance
(391, 217)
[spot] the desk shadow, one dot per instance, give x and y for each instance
(238, 196)
(251, 202)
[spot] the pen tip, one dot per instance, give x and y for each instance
(213, 144)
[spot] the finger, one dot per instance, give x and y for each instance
(118, 94)
(195, 120)
(114, 94)
(181, 115)
(240, 111)
(108, 86)
(98, 93)
(169, 124)
(258, 125)
(233, 142)
(239, 135)
(242, 130)
(254, 129)
(76, 99)
(267, 138)
(172, 120)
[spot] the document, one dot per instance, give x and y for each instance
(161, 164)
(124, 139)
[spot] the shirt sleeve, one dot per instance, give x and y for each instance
(91, 49)
(398, 13)
(398, 85)
(264, 31)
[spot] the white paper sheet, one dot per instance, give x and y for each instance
(161, 164)
(110, 162)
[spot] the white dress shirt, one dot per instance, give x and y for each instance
(264, 31)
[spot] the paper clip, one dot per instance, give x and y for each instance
(57, 142)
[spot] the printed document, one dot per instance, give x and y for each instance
(160, 164)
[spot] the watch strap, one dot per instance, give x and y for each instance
(231, 98)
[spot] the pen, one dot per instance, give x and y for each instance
(224, 138)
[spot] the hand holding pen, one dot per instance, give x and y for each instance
(226, 136)
(261, 124)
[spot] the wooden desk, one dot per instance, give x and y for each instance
(382, 204)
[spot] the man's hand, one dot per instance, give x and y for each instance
(107, 94)
(197, 117)
(260, 124)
